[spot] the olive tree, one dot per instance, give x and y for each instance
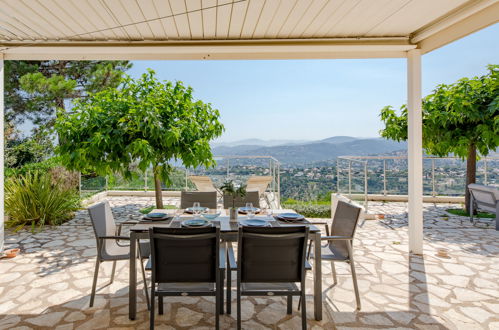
(144, 122)
(461, 119)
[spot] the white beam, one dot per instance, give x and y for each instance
(441, 35)
(2, 211)
(468, 9)
(211, 50)
(415, 150)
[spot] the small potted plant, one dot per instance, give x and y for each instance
(229, 190)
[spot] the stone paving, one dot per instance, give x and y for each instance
(48, 285)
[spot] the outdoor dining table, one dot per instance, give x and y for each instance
(228, 231)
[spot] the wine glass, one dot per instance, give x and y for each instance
(178, 213)
(250, 212)
(269, 213)
(196, 208)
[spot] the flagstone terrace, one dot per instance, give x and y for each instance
(48, 285)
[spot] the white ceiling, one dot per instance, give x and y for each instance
(28, 23)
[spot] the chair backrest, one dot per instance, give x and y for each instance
(344, 224)
(103, 223)
(485, 197)
(272, 254)
(202, 183)
(252, 197)
(258, 183)
(184, 254)
(204, 198)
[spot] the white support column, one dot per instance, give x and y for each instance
(415, 146)
(2, 212)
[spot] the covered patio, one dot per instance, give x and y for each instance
(48, 287)
(402, 283)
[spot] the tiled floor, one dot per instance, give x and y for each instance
(48, 285)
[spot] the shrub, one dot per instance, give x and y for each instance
(309, 209)
(35, 199)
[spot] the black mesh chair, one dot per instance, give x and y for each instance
(251, 197)
(109, 247)
(186, 262)
(270, 262)
(204, 198)
(339, 241)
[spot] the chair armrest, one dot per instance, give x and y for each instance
(232, 258)
(125, 238)
(308, 266)
(318, 223)
(222, 256)
(336, 238)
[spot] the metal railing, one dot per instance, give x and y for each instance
(236, 168)
(443, 176)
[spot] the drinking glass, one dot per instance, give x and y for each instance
(250, 212)
(269, 212)
(178, 213)
(196, 208)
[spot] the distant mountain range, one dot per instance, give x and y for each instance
(308, 152)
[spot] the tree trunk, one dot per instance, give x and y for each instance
(157, 189)
(470, 174)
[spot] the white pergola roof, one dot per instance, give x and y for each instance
(234, 29)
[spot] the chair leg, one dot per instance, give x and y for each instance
(160, 305)
(146, 290)
(221, 291)
(151, 311)
(113, 271)
(309, 249)
(354, 275)
(303, 311)
(238, 307)
(218, 303)
(333, 270)
(290, 304)
(229, 293)
(94, 283)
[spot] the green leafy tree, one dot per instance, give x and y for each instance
(459, 119)
(35, 89)
(143, 123)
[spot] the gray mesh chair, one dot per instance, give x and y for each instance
(251, 197)
(186, 262)
(270, 262)
(204, 198)
(339, 241)
(109, 247)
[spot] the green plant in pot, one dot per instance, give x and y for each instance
(230, 191)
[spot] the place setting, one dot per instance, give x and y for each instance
(203, 217)
(156, 217)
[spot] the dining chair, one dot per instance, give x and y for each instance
(204, 198)
(186, 262)
(251, 197)
(339, 247)
(270, 261)
(109, 248)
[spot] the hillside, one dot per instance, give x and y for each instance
(318, 151)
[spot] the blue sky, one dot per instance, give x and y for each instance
(316, 99)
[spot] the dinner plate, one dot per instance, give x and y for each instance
(244, 210)
(191, 210)
(195, 223)
(255, 223)
(289, 217)
(156, 215)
